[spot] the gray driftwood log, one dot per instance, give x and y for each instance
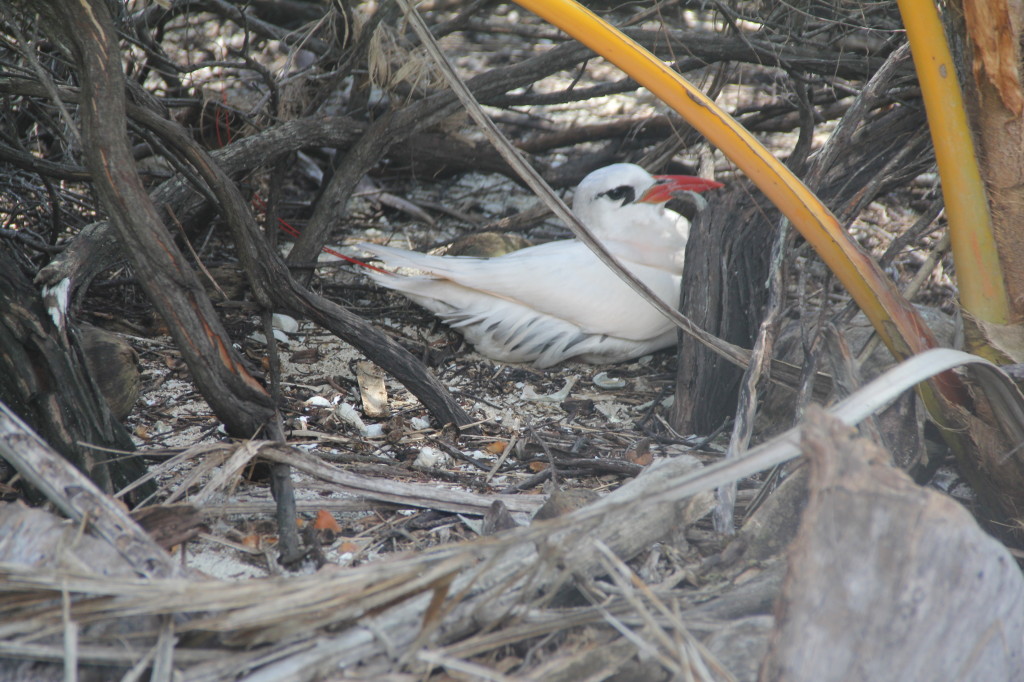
(890, 581)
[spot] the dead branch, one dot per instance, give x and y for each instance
(78, 497)
(171, 285)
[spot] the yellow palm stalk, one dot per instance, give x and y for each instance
(979, 273)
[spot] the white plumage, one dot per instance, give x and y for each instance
(548, 303)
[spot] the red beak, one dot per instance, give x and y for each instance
(664, 186)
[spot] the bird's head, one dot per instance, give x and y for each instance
(617, 199)
(624, 184)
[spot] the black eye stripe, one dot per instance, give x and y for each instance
(623, 193)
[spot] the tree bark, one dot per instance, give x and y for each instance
(996, 107)
(79, 499)
(724, 292)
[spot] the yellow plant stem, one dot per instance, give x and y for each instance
(978, 270)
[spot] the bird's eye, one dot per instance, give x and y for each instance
(623, 194)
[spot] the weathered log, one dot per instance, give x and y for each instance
(39, 540)
(888, 580)
(723, 293)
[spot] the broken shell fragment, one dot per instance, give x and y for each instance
(602, 380)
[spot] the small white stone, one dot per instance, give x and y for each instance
(285, 323)
(259, 337)
(431, 458)
(374, 431)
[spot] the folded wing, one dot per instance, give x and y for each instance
(543, 304)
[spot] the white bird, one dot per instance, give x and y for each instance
(555, 301)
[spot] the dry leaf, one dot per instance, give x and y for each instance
(325, 521)
(562, 502)
(348, 547)
(640, 452)
(372, 390)
(1005, 339)
(496, 448)
(173, 362)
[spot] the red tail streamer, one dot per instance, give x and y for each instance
(288, 229)
(221, 116)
